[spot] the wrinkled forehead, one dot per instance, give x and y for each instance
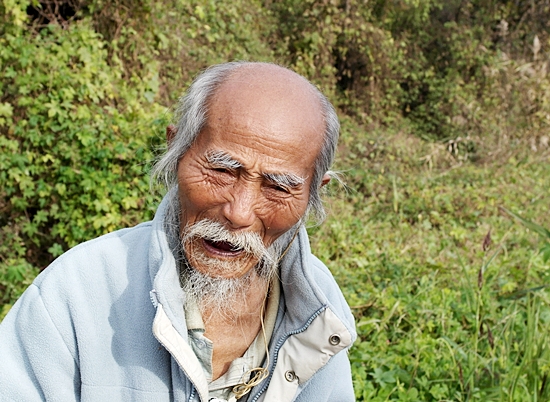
(269, 116)
(270, 97)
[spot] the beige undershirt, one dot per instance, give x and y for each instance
(252, 358)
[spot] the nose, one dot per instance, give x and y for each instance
(239, 209)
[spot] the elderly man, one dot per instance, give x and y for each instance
(219, 297)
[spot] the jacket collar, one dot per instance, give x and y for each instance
(301, 293)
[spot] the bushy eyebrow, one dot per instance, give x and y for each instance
(223, 160)
(285, 180)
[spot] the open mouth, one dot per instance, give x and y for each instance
(222, 247)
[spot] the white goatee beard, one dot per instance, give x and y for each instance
(218, 294)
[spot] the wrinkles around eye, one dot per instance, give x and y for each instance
(281, 189)
(220, 176)
(221, 170)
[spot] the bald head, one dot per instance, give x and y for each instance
(276, 96)
(278, 100)
(273, 87)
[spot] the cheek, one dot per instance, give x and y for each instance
(198, 197)
(279, 220)
(194, 193)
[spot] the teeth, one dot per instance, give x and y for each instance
(225, 246)
(234, 248)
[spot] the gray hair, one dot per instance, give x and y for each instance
(192, 112)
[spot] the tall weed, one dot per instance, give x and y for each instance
(447, 309)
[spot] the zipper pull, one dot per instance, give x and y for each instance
(154, 298)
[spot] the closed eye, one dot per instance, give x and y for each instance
(284, 183)
(281, 189)
(221, 170)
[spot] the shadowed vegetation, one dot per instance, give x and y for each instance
(440, 241)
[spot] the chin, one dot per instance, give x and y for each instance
(220, 267)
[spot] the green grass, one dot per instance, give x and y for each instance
(448, 289)
(442, 313)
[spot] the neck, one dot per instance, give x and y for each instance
(244, 307)
(233, 331)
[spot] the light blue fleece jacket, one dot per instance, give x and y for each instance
(84, 329)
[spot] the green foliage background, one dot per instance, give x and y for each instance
(439, 243)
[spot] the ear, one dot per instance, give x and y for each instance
(170, 133)
(325, 180)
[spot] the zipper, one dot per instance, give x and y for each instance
(280, 344)
(154, 298)
(182, 369)
(194, 386)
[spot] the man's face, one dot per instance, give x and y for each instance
(251, 166)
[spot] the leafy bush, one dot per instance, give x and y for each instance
(75, 144)
(180, 37)
(445, 108)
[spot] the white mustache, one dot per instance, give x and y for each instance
(250, 242)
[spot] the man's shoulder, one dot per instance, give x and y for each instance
(320, 269)
(330, 288)
(106, 253)
(321, 274)
(111, 243)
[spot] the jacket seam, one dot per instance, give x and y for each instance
(193, 385)
(54, 325)
(169, 392)
(280, 344)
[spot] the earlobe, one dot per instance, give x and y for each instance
(170, 133)
(325, 180)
